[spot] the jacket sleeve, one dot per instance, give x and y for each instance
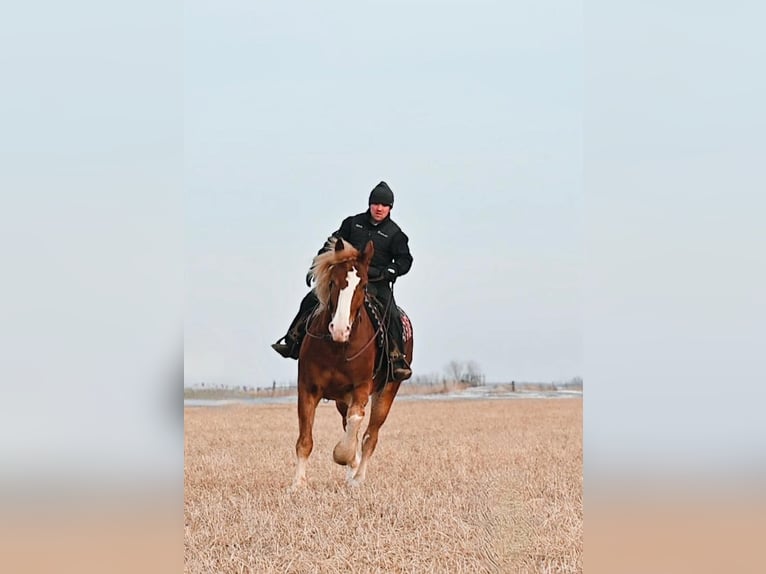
(343, 232)
(402, 258)
(345, 229)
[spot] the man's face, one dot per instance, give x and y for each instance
(379, 211)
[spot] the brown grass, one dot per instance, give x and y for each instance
(454, 486)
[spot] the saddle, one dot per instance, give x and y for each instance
(376, 311)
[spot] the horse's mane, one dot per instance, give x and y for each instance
(322, 264)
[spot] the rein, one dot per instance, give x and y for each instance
(367, 344)
(327, 336)
(312, 335)
(377, 331)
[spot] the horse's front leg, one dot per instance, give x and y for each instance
(345, 452)
(381, 405)
(307, 404)
(342, 407)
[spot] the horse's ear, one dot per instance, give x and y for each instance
(338, 244)
(369, 249)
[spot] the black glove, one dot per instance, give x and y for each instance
(390, 274)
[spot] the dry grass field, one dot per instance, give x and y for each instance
(454, 486)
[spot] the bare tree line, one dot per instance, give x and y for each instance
(456, 374)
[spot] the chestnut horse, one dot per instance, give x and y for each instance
(338, 361)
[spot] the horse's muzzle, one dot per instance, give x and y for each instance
(340, 333)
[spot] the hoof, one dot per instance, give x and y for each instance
(354, 483)
(352, 468)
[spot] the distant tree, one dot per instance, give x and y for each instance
(473, 374)
(427, 379)
(460, 372)
(454, 371)
(575, 382)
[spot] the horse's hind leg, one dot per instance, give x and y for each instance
(307, 404)
(381, 405)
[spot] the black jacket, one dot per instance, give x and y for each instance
(392, 250)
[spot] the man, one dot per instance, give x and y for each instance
(391, 260)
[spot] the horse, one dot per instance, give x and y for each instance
(338, 359)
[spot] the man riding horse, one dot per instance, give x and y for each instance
(391, 260)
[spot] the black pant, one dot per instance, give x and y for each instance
(382, 291)
(297, 329)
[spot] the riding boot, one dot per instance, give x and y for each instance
(286, 349)
(291, 347)
(399, 366)
(401, 369)
(293, 339)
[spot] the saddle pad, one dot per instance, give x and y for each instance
(373, 310)
(406, 325)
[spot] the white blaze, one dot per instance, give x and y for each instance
(340, 326)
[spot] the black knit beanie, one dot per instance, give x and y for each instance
(382, 194)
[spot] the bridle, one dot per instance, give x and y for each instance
(357, 318)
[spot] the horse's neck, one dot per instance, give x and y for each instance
(363, 329)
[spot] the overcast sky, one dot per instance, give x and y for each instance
(472, 112)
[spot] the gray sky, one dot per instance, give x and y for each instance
(472, 112)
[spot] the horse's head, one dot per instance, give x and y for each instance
(341, 274)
